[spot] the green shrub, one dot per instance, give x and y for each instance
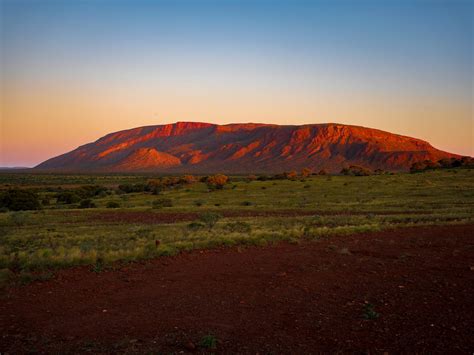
(196, 226)
(129, 188)
(209, 219)
(208, 342)
(162, 202)
(199, 203)
(18, 218)
(87, 204)
(239, 227)
(67, 197)
(90, 191)
(369, 312)
(112, 204)
(19, 200)
(356, 170)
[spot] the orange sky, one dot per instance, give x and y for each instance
(47, 124)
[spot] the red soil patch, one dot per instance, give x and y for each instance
(280, 299)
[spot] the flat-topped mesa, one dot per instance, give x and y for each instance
(199, 147)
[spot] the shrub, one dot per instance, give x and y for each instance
(209, 219)
(188, 179)
(208, 342)
(369, 312)
(67, 197)
(239, 227)
(162, 202)
(45, 201)
(291, 175)
(18, 218)
(217, 181)
(356, 170)
(90, 191)
(129, 188)
(323, 172)
(196, 225)
(112, 204)
(305, 172)
(19, 200)
(87, 203)
(199, 203)
(155, 186)
(447, 163)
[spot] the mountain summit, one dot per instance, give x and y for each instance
(194, 147)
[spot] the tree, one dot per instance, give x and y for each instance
(19, 200)
(291, 175)
(217, 181)
(209, 219)
(67, 197)
(305, 172)
(356, 170)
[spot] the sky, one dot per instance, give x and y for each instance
(73, 71)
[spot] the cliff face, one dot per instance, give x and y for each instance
(245, 148)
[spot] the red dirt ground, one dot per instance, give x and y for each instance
(279, 299)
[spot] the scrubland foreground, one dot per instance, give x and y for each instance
(371, 263)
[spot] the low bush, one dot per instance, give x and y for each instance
(87, 203)
(217, 181)
(112, 204)
(67, 197)
(238, 227)
(19, 200)
(208, 342)
(198, 203)
(130, 188)
(209, 219)
(19, 218)
(290, 175)
(356, 170)
(305, 172)
(196, 226)
(162, 202)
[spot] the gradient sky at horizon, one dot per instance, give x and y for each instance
(73, 71)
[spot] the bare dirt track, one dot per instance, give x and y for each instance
(279, 299)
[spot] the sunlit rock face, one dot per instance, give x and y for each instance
(243, 148)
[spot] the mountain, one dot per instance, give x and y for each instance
(194, 147)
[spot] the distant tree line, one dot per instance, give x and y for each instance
(448, 163)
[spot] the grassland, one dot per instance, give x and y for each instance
(246, 213)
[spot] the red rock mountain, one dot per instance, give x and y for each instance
(193, 147)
